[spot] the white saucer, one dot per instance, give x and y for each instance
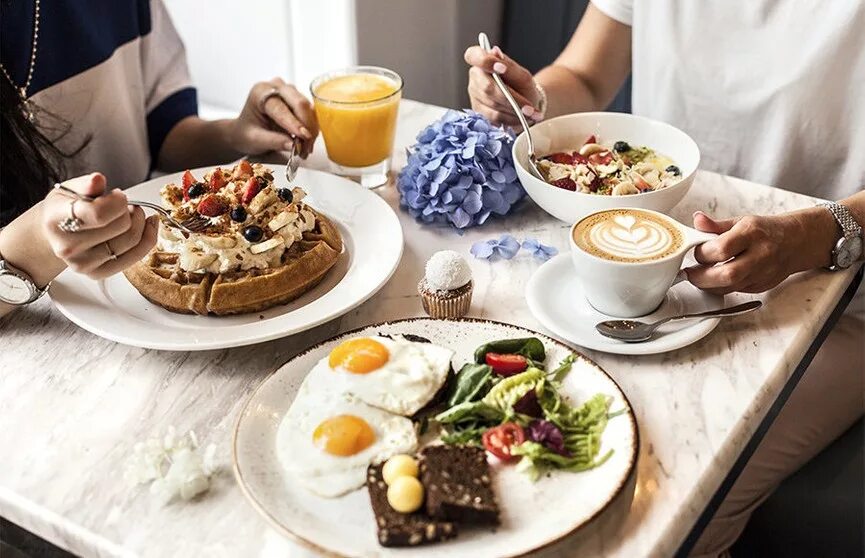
(555, 297)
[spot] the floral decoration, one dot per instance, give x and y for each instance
(460, 172)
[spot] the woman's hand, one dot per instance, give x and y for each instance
(754, 254)
(268, 121)
(113, 236)
(486, 97)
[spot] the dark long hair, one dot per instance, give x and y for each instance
(30, 162)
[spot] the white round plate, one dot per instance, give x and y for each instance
(534, 515)
(555, 297)
(373, 243)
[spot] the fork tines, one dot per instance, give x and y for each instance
(196, 223)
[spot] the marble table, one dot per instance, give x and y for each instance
(72, 405)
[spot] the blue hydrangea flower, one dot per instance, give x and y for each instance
(506, 247)
(460, 172)
(538, 250)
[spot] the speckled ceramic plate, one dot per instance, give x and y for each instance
(373, 242)
(534, 515)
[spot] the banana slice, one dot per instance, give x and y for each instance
(282, 219)
(193, 261)
(220, 241)
(277, 240)
(262, 200)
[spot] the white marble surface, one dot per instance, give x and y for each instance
(72, 404)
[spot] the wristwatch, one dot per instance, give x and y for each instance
(848, 249)
(16, 287)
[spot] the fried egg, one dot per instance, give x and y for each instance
(328, 439)
(396, 375)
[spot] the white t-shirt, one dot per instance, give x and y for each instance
(772, 91)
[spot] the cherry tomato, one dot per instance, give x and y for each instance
(499, 440)
(506, 365)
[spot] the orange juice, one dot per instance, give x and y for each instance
(357, 114)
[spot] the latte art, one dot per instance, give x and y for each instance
(627, 235)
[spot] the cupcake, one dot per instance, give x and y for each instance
(446, 289)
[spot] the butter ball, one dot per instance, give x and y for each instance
(399, 466)
(405, 494)
(447, 270)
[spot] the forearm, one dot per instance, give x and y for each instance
(567, 92)
(817, 232)
(23, 245)
(195, 142)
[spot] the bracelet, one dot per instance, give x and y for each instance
(542, 102)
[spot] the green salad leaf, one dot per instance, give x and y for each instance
(530, 347)
(470, 383)
(475, 411)
(504, 395)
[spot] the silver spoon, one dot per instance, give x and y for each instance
(484, 42)
(632, 331)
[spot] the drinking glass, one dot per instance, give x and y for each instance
(357, 112)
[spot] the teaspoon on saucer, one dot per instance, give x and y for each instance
(632, 331)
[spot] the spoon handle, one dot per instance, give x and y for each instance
(743, 308)
(484, 43)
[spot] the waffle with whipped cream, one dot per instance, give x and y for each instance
(260, 245)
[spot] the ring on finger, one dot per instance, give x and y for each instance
(71, 224)
(111, 254)
(274, 92)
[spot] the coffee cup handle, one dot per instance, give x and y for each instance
(681, 276)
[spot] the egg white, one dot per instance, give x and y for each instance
(410, 378)
(331, 475)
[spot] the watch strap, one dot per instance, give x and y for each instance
(845, 220)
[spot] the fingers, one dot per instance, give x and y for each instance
(703, 222)
(88, 185)
(93, 215)
(97, 262)
(498, 62)
(723, 278)
(293, 112)
(122, 243)
(733, 239)
(489, 101)
(69, 245)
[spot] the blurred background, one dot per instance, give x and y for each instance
(422, 40)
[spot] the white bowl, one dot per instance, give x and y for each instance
(569, 132)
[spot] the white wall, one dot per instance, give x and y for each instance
(231, 44)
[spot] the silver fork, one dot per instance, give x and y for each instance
(191, 225)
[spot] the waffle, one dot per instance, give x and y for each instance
(159, 278)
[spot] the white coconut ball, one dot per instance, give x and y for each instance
(447, 270)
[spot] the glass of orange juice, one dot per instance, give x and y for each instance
(357, 111)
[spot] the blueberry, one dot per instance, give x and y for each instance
(238, 214)
(253, 233)
(285, 194)
(621, 147)
(197, 189)
(674, 169)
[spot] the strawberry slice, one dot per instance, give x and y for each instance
(243, 170)
(641, 184)
(187, 181)
(561, 158)
(591, 139)
(601, 158)
(578, 159)
(212, 206)
(565, 184)
(217, 180)
(252, 187)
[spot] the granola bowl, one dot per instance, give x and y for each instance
(569, 133)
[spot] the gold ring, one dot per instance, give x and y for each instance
(71, 224)
(274, 92)
(111, 254)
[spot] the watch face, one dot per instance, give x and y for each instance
(13, 290)
(848, 251)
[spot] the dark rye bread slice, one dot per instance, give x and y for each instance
(458, 485)
(402, 529)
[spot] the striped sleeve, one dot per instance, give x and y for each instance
(169, 95)
(620, 10)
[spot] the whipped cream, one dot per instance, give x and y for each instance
(201, 253)
(447, 270)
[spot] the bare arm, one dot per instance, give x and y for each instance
(754, 254)
(584, 77)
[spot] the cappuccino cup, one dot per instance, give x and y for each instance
(627, 258)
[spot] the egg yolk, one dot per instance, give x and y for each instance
(359, 356)
(343, 435)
